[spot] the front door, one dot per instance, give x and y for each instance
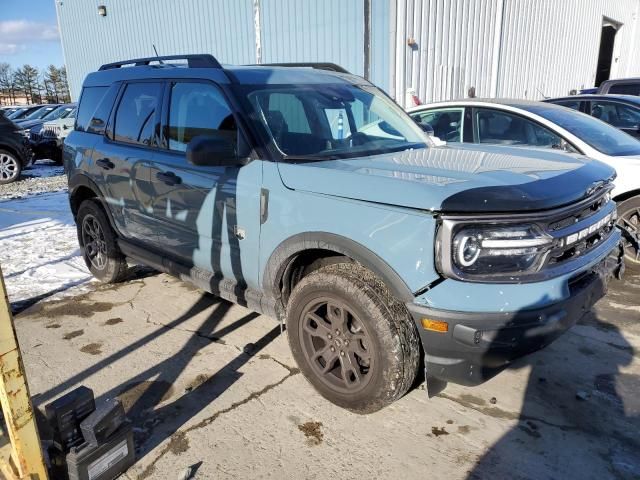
(207, 217)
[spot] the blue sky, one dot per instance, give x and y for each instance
(29, 33)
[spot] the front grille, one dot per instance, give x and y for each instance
(580, 230)
(51, 132)
(35, 136)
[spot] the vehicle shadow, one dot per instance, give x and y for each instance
(580, 414)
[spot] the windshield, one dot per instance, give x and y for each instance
(595, 133)
(324, 121)
(39, 113)
(16, 114)
(60, 112)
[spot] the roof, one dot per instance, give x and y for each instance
(623, 80)
(244, 75)
(609, 96)
(510, 102)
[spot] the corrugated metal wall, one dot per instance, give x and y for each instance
(518, 48)
(131, 28)
(312, 31)
(506, 48)
(289, 31)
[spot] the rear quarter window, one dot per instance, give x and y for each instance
(89, 101)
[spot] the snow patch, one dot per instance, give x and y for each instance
(40, 255)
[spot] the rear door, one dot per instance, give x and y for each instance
(124, 156)
(205, 216)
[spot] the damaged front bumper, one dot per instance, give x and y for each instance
(477, 346)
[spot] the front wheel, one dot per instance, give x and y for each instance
(629, 220)
(354, 342)
(10, 167)
(98, 243)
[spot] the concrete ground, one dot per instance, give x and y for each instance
(213, 387)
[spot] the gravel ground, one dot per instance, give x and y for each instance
(45, 176)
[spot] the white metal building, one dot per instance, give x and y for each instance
(439, 48)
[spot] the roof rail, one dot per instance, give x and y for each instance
(193, 61)
(317, 65)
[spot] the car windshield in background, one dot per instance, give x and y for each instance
(599, 135)
(60, 112)
(324, 121)
(39, 113)
(16, 113)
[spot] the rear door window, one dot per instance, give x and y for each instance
(503, 128)
(137, 113)
(446, 122)
(617, 114)
(197, 109)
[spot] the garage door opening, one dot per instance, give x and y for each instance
(605, 56)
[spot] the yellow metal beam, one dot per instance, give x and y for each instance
(22, 458)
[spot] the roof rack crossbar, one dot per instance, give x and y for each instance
(193, 61)
(317, 65)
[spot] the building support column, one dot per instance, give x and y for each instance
(497, 47)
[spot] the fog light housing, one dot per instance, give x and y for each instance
(434, 325)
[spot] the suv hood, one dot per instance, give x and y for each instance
(29, 123)
(465, 179)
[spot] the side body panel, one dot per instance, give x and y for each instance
(211, 218)
(401, 238)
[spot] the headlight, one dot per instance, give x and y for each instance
(25, 133)
(491, 252)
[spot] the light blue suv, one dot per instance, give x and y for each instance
(307, 194)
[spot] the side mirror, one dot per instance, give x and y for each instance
(218, 150)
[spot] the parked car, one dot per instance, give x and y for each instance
(47, 136)
(257, 184)
(22, 112)
(35, 116)
(621, 111)
(620, 86)
(15, 153)
(525, 123)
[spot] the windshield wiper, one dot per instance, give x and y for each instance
(308, 158)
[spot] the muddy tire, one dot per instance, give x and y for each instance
(10, 167)
(98, 244)
(352, 339)
(629, 220)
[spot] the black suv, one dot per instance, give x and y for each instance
(15, 153)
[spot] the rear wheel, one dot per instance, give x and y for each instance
(10, 167)
(98, 243)
(629, 220)
(354, 342)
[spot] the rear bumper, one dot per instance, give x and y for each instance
(477, 346)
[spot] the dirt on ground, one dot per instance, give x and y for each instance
(212, 390)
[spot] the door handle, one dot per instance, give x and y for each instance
(169, 178)
(105, 163)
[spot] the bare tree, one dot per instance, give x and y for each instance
(6, 81)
